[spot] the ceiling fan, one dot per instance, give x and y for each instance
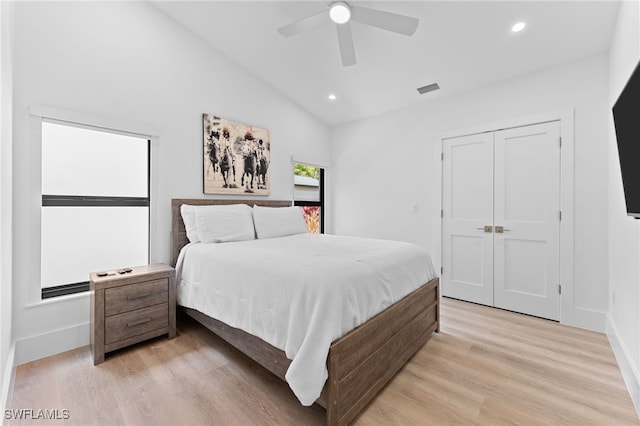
(342, 13)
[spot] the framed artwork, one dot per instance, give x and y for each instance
(236, 157)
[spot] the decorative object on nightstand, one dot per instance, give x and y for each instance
(130, 305)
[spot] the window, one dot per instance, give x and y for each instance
(308, 192)
(95, 204)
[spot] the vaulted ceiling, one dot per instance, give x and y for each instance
(461, 45)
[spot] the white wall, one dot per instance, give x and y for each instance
(128, 64)
(6, 98)
(384, 165)
(623, 325)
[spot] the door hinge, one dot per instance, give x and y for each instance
(560, 214)
(559, 289)
(442, 214)
(442, 156)
(441, 270)
(560, 141)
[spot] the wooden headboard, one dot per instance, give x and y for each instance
(178, 232)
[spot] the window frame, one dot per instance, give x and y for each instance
(320, 203)
(61, 200)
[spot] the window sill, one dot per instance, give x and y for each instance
(52, 300)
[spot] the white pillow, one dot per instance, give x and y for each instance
(224, 223)
(271, 222)
(189, 218)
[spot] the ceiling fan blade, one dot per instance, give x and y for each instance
(345, 41)
(304, 24)
(385, 20)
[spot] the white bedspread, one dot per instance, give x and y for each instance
(300, 293)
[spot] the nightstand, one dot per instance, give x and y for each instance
(131, 307)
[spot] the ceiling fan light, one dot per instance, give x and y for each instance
(340, 12)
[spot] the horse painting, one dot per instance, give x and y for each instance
(229, 144)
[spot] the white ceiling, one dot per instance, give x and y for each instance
(461, 45)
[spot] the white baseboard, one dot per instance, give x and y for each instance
(8, 379)
(51, 343)
(628, 368)
(587, 318)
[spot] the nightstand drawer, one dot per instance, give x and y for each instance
(130, 297)
(129, 324)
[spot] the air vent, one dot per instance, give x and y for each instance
(428, 88)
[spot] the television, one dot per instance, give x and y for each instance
(626, 117)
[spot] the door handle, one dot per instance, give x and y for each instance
(486, 228)
(501, 229)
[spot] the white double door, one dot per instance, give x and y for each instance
(501, 219)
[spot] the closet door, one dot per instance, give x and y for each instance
(467, 210)
(527, 220)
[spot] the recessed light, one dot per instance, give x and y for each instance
(340, 12)
(332, 97)
(518, 27)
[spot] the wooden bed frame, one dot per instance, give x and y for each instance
(360, 363)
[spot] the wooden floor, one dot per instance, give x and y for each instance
(485, 367)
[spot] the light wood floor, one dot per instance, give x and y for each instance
(485, 367)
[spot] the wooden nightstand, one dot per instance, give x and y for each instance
(131, 307)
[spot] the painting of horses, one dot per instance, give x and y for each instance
(236, 157)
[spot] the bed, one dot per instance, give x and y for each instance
(360, 362)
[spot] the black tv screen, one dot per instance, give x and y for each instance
(626, 116)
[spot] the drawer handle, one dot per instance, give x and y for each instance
(139, 296)
(139, 322)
